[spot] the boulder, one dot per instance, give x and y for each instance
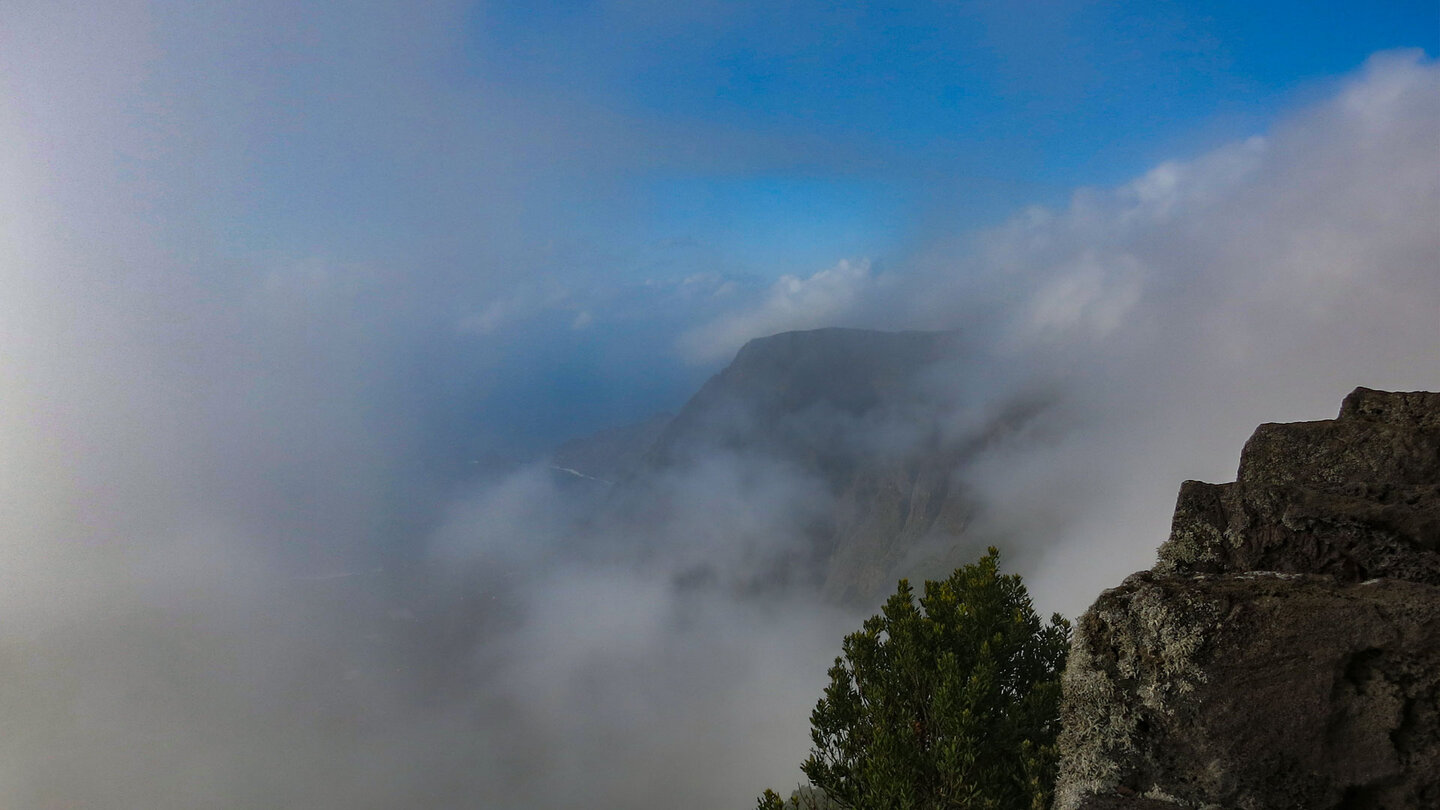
(1285, 650)
(1356, 497)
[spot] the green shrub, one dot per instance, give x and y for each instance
(951, 703)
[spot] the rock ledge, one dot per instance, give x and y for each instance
(1285, 650)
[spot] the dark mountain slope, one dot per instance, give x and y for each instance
(610, 455)
(815, 397)
(865, 418)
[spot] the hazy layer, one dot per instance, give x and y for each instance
(208, 450)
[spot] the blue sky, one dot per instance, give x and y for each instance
(1002, 103)
(854, 123)
(530, 199)
(791, 135)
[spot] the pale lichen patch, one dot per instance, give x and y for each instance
(1140, 650)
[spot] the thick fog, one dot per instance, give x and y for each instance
(264, 544)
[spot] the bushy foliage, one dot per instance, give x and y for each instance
(805, 797)
(951, 703)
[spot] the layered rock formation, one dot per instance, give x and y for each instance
(1285, 650)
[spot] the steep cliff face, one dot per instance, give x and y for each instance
(817, 397)
(860, 415)
(1285, 650)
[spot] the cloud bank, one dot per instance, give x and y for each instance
(823, 299)
(238, 565)
(1258, 282)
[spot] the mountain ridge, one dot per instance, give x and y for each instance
(864, 414)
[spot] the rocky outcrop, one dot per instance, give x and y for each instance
(1285, 650)
(1356, 497)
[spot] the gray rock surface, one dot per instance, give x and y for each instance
(1285, 650)
(1355, 497)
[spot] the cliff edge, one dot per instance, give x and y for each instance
(1285, 650)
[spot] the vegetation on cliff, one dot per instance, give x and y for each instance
(951, 703)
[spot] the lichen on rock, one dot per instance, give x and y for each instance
(1284, 652)
(1137, 656)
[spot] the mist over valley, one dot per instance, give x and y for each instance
(449, 406)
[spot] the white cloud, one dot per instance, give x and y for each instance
(826, 298)
(1091, 296)
(1259, 282)
(183, 430)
